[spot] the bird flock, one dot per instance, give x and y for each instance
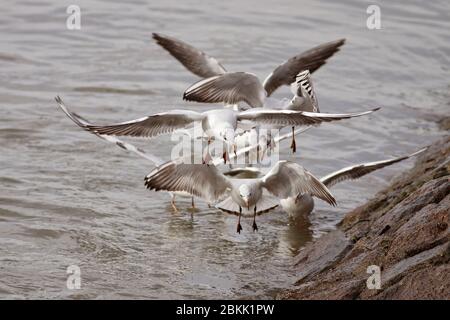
(248, 111)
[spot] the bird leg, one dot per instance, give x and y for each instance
(293, 144)
(225, 157)
(270, 141)
(192, 202)
(239, 227)
(258, 150)
(255, 227)
(207, 157)
(172, 202)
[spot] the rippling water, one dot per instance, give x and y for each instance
(68, 198)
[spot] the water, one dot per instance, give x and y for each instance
(68, 198)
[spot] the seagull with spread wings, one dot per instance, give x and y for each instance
(285, 179)
(218, 124)
(205, 66)
(303, 203)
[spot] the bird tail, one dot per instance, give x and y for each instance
(228, 206)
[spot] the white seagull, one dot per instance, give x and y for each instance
(285, 179)
(218, 124)
(206, 66)
(303, 203)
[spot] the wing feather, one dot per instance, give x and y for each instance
(288, 179)
(294, 118)
(229, 88)
(193, 59)
(311, 60)
(200, 180)
(359, 170)
(84, 124)
(150, 126)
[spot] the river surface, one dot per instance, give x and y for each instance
(68, 198)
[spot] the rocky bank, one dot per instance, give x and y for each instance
(404, 230)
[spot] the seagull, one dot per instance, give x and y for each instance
(231, 88)
(156, 161)
(243, 86)
(218, 124)
(206, 66)
(285, 179)
(303, 203)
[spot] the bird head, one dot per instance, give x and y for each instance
(245, 194)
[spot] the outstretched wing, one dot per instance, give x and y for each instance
(193, 59)
(359, 170)
(200, 180)
(294, 118)
(310, 60)
(289, 179)
(83, 123)
(229, 88)
(150, 126)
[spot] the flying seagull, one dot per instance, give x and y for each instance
(218, 124)
(206, 66)
(285, 179)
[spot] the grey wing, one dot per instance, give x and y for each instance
(295, 118)
(200, 180)
(84, 124)
(229, 88)
(193, 59)
(311, 60)
(359, 170)
(150, 126)
(288, 179)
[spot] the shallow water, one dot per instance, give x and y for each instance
(69, 198)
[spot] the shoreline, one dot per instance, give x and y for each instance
(403, 231)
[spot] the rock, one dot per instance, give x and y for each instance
(404, 230)
(318, 258)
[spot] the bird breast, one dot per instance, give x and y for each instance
(296, 206)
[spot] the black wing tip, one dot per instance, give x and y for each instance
(58, 99)
(376, 109)
(157, 36)
(341, 41)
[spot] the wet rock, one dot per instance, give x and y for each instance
(404, 230)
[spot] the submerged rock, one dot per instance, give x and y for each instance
(404, 231)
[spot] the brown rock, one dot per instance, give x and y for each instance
(404, 230)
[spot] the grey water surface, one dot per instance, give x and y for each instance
(68, 198)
